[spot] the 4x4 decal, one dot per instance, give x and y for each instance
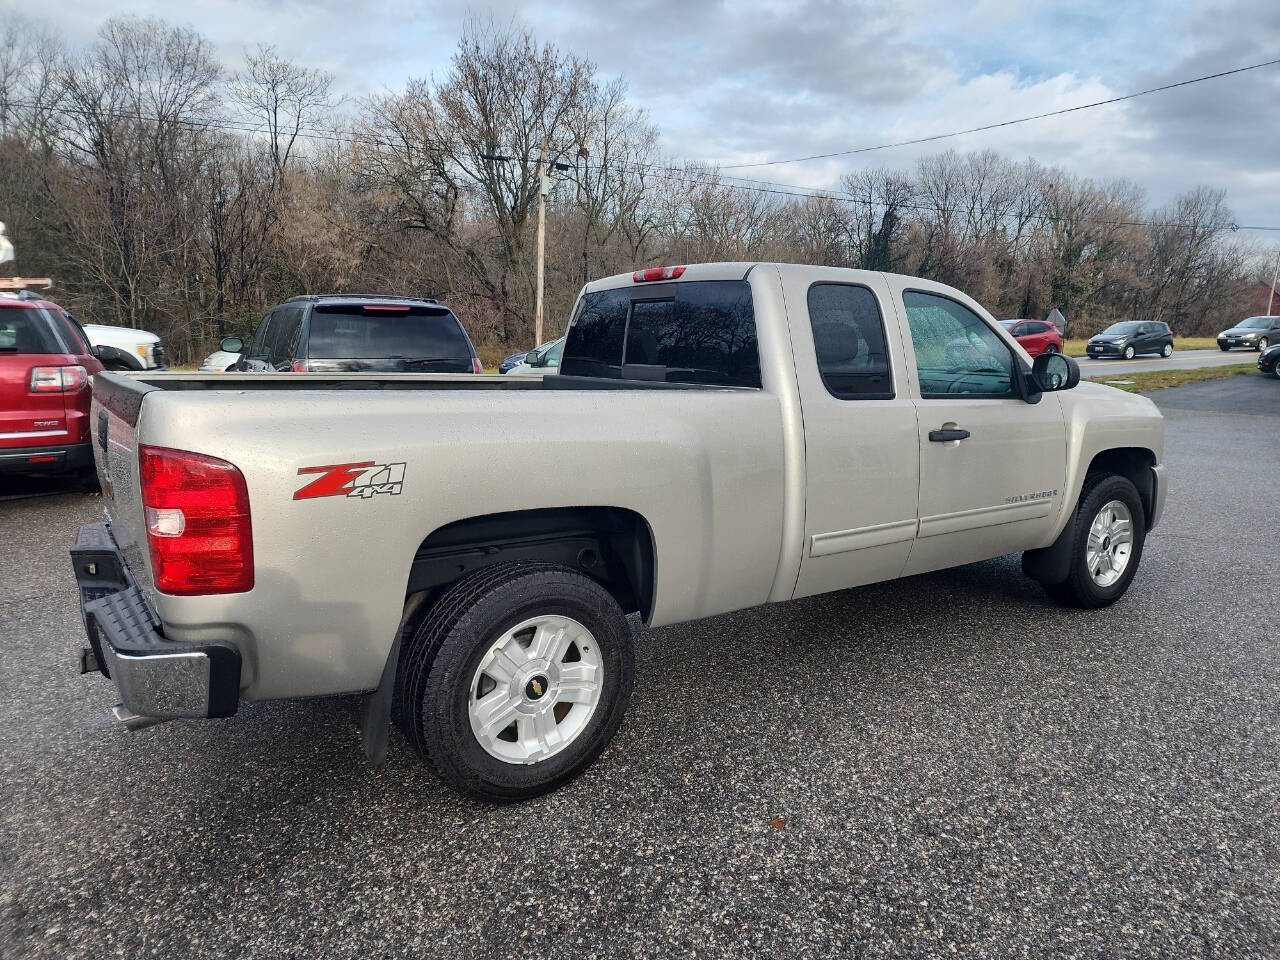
(365, 479)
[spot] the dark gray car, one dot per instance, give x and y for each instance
(1255, 333)
(1130, 338)
(354, 333)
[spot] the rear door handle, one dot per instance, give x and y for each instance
(948, 433)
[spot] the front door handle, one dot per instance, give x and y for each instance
(948, 433)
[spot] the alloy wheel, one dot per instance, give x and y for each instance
(536, 689)
(1110, 543)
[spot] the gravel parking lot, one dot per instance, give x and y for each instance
(947, 765)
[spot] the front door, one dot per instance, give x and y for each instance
(992, 467)
(862, 464)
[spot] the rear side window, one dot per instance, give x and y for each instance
(695, 332)
(348, 332)
(29, 330)
(848, 337)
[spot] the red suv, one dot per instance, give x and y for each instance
(45, 366)
(1036, 336)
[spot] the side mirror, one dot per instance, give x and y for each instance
(232, 344)
(1053, 371)
(535, 359)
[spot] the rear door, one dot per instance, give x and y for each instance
(862, 459)
(29, 340)
(992, 467)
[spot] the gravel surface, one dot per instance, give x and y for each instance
(943, 766)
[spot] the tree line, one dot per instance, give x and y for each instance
(163, 191)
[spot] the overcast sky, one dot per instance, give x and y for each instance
(749, 80)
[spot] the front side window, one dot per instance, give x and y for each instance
(849, 340)
(283, 336)
(258, 348)
(956, 352)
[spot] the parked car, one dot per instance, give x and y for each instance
(1269, 360)
(123, 348)
(1255, 333)
(1036, 336)
(220, 361)
(541, 360)
(46, 362)
(512, 361)
(722, 435)
(1130, 338)
(355, 333)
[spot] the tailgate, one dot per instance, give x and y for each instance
(113, 422)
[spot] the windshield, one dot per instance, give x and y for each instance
(1256, 323)
(348, 333)
(1009, 324)
(1117, 329)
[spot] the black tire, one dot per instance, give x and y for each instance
(1079, 589)
(1224, 348)
(439, 661)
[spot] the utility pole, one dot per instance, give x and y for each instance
(1274, 277)
(544, 188)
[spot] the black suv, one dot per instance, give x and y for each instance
(1130, 338)
(353, 333)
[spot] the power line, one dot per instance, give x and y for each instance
(1002, 123)
(711, 178)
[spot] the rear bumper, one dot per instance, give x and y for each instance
(55, 458)
(155, 677)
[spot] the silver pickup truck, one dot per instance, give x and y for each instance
(463, 551)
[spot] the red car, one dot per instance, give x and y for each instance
(45, 366)
(1036, 336)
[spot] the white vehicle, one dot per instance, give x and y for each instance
(540, 361)
(220, 361)
(123, 348)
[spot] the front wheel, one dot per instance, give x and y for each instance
(1167, 352)
(1263, 344)
(1129, 352)
(1108, 533)
(516, 680)
(1223, 347)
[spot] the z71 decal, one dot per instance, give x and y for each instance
(366, 479)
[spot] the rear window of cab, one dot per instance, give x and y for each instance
(700, 331)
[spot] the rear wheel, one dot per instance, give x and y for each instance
(1108, 533)
(516, 680)
(1167, 351)
(1051, 348)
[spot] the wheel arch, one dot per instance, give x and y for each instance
(1133, 463)
(612, 545)
(1050, 564)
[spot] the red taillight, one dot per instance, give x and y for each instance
(197, 515)
(650, 274)
(476, 365)
(58, 379)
